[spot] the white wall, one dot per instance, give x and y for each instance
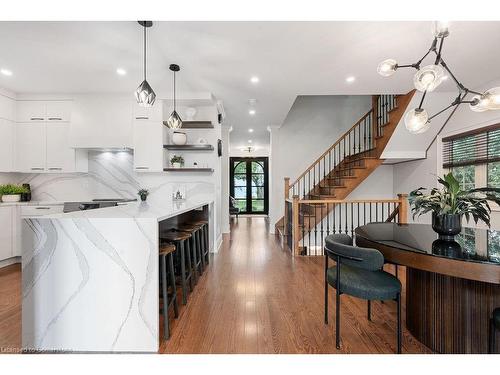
(313, 124)
(411, 175)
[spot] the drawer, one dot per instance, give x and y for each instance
(30, 211)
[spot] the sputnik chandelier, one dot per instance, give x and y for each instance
(429, 77)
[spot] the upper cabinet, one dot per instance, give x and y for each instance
(101, 121)
(7, 108)
(149, 137)
(7, 140)
(154, 113)
(43, 110)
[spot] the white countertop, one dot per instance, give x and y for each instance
(31, 203)
(159, 209)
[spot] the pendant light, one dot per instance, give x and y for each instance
(144, 95)
(174, 121)
(428, 78)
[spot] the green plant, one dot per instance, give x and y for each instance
(451, 200)
(177, 159)
(143, 192)
(11, 189)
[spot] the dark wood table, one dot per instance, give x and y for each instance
(451, 287)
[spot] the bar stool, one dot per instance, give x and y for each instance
(205, 242)
(494, 327)
(167, 268)
(180, 240)
(196, 247)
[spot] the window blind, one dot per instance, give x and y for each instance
(474, 147)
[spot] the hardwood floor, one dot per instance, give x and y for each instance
(254, 298)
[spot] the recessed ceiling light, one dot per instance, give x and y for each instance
(251, 112)
(254, 79)
(6, 72)
(250, 130)
(249, 141)
(350, 79)
(121, 71)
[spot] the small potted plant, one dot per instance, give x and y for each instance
(143, 193)
(449, 204)
(11, 192)
(177, 161)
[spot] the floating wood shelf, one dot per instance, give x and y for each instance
(197, 125)
(188, 169)
(200, 147)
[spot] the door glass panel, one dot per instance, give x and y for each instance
(257, 167)
(258, 192)
(240, 180)
(240, 192)
(257, 205)
(257, 180)
(240, 167)
(241, 204)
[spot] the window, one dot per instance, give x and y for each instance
(474, 157)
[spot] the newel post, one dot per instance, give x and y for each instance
(403, 209)
(287, 188)
(295, 225)
(285, 215)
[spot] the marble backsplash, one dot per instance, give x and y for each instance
(110, 175)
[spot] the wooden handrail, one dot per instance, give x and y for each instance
(338, 201)
(331, 148)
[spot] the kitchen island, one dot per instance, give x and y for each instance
(90, 278)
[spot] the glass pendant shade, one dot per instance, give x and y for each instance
(387, 67)
(174, 121)
(144, 95)
(428, 78)
(416, 121)
(479, 104)
(492, 97)
(441, 29)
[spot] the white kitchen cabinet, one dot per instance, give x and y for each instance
(148, 138)
(31, 147)
(60, 157)
(44, 110)
(7, 108)
(6, 232)
(7, 138)
(154, 113)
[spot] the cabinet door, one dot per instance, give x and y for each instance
(5, 233)
(148, 146)
(60, 157)
(6, 145)
(154, 113)
(31, 110)
(31, 147)
(58, 111)
(7, 108)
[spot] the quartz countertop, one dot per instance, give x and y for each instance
(31, 203)
(159, 209)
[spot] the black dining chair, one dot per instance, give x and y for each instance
(360, 273)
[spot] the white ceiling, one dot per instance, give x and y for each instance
(290, 58)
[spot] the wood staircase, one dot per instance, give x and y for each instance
(347, 163)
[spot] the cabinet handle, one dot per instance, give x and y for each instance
(141, 167)
(55, 118)
(55, 169)
(36, 119)
(37, 169)
(42, 208)
(142, 118)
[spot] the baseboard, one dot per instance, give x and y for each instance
(218, 243)
(8, 262)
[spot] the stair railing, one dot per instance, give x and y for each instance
(305, 234)
(345, 154)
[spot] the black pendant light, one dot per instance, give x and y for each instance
(144, 94)
(174, 121)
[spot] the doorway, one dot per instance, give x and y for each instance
(249, 184)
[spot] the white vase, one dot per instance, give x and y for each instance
(179, 138)
(190, 113)
(9, 198)
(176, 165)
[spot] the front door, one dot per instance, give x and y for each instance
(249, 184)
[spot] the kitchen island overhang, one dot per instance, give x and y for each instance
(90, 278)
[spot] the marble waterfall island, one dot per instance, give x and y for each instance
(90, 278)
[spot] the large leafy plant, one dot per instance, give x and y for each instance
(11, 189)
(450, 199)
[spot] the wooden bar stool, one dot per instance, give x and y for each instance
(494, 327)
(181, 242)
(205, 240)
(196, 248)
(167, 269)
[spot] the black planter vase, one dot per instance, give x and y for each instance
(447, 226)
